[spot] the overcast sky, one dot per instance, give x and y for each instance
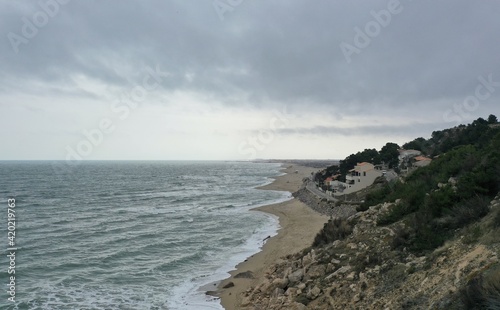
(240, 79)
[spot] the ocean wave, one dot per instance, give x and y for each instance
(93, 247)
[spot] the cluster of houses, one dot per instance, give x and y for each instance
(364, 174)
(361, 176)
(412, 158)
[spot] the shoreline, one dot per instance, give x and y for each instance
(298, 225)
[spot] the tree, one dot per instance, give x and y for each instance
(390, 154)
(492, 119)
(417, 144)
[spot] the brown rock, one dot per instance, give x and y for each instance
(297, 306)
(245, 275)
(295, 277)
(314, 293)
(228, 285)
(315, 272)
(280, 283)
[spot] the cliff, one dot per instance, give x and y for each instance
(368, 266)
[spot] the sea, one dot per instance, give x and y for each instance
(129, 234)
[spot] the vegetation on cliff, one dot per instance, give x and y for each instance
(430, 240)
(453, 191)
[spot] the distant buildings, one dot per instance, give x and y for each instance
(412, 159)
(421, 161)
(363, 175)
(405, 155)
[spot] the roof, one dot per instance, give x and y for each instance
(420, 158)
(408, 151)
(363, 163)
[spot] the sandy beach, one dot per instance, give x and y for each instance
(299, 225)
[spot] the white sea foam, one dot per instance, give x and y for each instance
(112, 247)
(191, 294)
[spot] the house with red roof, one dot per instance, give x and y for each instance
(361, 176)
(421, 161)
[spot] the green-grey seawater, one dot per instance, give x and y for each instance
(130, 234)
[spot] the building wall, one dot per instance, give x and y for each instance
(408, 154)
(361, 181)
(422, 163)
(364, 168)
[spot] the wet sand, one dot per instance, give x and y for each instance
(299, 225)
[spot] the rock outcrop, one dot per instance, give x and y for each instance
(322, 206)
(371, 269)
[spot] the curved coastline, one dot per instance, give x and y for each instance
(298, 225)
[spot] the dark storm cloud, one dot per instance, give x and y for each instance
(275, 51)
(405, 130)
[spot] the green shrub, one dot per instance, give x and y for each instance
(397, 212)
(470, 211)
(360, 263)
(472, 234)
(401, 238)
(375, 197)
(438, 202)
(496, 220)
(335, 229)
(362, 208)
(426, 238)
(483, 291)
(471, 294)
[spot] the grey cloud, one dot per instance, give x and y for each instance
(406, 130)
(276, 51)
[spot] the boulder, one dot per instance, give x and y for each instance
(246, 301)
(342, 270)
(291, 291)
(307, 260)
(295, 277)
(315, 272)
(278, 292)
(313, 293)
(297, 306)
(280, 283)
(228, 285)
(335, 261)
(352, 246)
(245, 275)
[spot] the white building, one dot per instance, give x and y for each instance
(421, 161)
(405, 155)
(362, 176)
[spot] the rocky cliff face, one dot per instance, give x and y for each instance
(371, 269)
